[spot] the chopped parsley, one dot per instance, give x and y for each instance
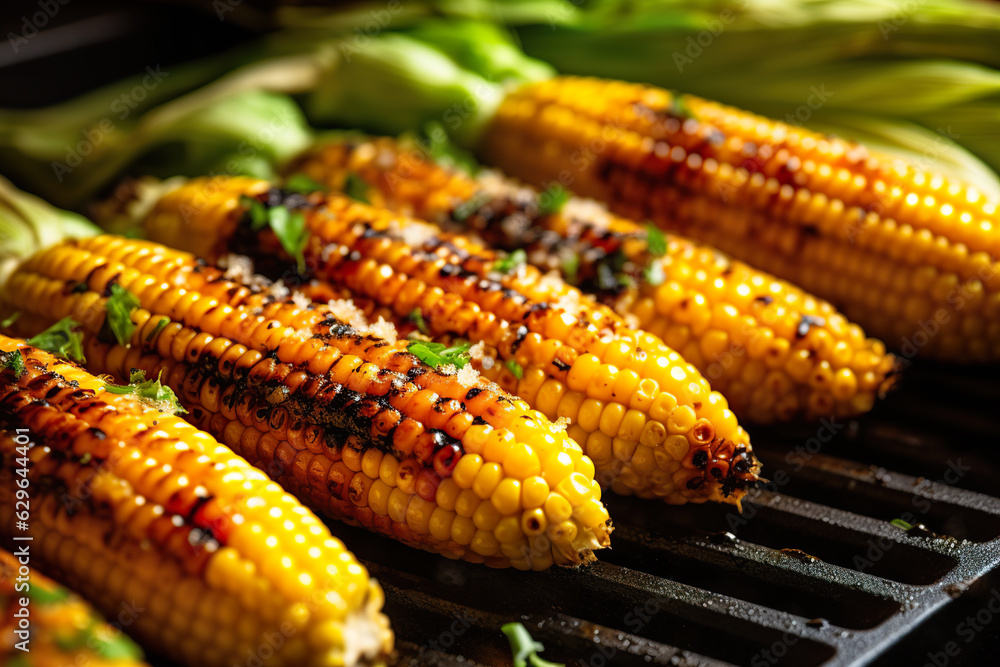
(511, 262)
(571, 268)
(115, 647)
(466, 209)
(552, 199)
(902, 525)
(417, 317)
(62, 339)
(654, 274)
(656, 241)
(445, 153)
(47, 595)
(289, 227)
(439, 355)
(10, 320)
(356, 188)
(164, 321)
(679, 108)
(151, 391)
(303, 184)
(12, 360)
(119, 309)
(515, 368)
(524, 648)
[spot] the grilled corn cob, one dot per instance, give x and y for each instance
(648, 420)
(353, 424)
(906, 253)
(127, 503)
(61, 629)
(773, 350)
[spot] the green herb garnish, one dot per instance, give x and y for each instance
(654, 274)
(463, 211)
(289, 227)
(439, 355)
(679, 108)
(571, 268)
(303, 184)
(656, 241)
(62, 339)
(44, 596)
(258, 214)
(899, 523)
(515, 368)
(356, 188)
(117, 647)
(524, 648)
(164, 321)
(511, 261)
(12, 360)
(148, 390)
(552, 199)
(119, 307)
(417, 317)
(9, 320)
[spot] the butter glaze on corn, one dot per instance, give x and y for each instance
(772, 349)
(354, 425)
(649, 421)
(906, 253)
(128, 503)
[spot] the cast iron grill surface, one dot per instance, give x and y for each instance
(811, 573)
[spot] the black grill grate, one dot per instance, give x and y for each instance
(812, 572)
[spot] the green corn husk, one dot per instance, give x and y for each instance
(28, 224)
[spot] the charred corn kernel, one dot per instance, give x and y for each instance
(877, 236)
(707, 306)
(65, 630)
(349, 421)
(549, 329)
(188, 516)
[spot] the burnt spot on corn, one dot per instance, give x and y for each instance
(806, 322)
(765, 299)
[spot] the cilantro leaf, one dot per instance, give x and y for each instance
(511, 261)
(417, 317)
(356, 188)
(571, 268)
(164, 321)
(903, 525)
(466, 209)
(524, 648)
(148, 390)
(45, 595)
(258, 214)
(654, 273)
(12, 360)
(679, 108)
(303, 184)
(515, 368)
(290, 228)
(119, 307)
(9, 320)
(439, 355)
(552, 199)
(62, 339)
(656, 241)
(115, 647)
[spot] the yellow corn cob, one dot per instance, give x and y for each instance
(351, 423)
(906, 253)
(773, 350)
(648, 420)
(131, 504)
(62, 629)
